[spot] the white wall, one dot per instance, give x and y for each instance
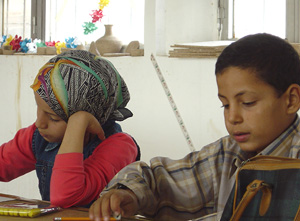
(183, 21)
(191, 82)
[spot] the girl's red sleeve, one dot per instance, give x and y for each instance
(16, 156)
(77, 182)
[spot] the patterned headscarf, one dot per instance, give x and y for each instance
(81, 81)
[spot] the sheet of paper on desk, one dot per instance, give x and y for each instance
(4, 199)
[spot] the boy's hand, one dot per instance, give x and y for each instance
(115, 202)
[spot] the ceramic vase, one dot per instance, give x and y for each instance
(108, 43)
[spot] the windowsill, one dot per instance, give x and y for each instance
(210, 49)
(139, 53)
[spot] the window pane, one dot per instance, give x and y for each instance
(257, 16)
(128, 19)
(17, 18)
(66, 18)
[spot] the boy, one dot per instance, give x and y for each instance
(258, 80)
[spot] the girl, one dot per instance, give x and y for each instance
(75, 146)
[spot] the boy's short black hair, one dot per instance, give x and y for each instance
(272, 59)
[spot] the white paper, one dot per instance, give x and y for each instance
(3, 199)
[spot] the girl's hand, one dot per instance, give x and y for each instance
(81, 125)
(115, 202)
(88, 121)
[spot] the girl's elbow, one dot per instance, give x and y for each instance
(63, 202)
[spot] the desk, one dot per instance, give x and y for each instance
(49, 217)
(70, 212)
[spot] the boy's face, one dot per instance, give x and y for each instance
(254, 114)
(50, 126)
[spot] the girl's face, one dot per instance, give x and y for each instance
(50, 126)
(254, 114)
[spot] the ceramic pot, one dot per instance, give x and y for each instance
(108, 43)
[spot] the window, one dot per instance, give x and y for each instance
(56, 20)
(66, 18)
(258, 16)
(238, 18)
(15, 19)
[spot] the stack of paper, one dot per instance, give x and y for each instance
(210, 49)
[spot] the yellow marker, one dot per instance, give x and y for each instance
(19, 212)
(23, 212)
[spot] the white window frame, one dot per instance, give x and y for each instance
(292, 20)
(2, 17)
(38, 18)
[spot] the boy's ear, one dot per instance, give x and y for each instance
(293, 98)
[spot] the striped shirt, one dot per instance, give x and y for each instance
(198, 184)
